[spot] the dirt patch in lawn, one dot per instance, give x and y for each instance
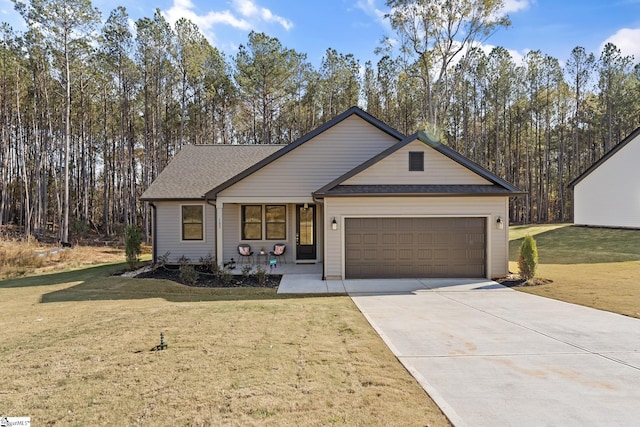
(205, 279)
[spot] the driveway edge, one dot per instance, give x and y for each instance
(446, 409)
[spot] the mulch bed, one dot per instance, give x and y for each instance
(514, 281)
(208, 280)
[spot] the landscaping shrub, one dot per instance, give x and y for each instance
(225, 277)
(188, 275)
(163, 260)
(209, 264)
(528, 259)
(261, 275)
(133, 245)
(246, 271)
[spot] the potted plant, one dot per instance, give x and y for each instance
(262, 250)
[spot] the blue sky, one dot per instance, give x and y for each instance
(356, 26)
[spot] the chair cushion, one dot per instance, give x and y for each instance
(278, 249)
(244, 250)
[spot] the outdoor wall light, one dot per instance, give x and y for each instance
(305, 206)
(500, 223)
(334, 224)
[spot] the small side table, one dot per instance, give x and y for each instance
(260, 255)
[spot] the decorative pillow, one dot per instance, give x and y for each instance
(278, 249)
(244, 250)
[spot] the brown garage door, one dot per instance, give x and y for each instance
(414, 247)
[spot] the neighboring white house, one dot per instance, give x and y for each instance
(354, 194)
(608, 193)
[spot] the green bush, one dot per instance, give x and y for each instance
(209, 264)
(225, 277)
(261, 275)
(188, 274)
(528, 259)
(133, 245)
(246, 271)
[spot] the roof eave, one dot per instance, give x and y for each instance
(605, 157)
(418, 194)
(171, 199)
(467, 163)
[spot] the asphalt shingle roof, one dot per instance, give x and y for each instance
(196, 169)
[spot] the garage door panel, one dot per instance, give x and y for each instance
(370, 239)
(370, 255)
(415, 247)
(424, 254)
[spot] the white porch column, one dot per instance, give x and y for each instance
(219, 234)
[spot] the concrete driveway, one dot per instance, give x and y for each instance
(492, 356)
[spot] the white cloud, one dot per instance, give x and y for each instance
(249, 9)
(206, 22)
(515, 5)
(245, 15)
(370, 8)
(627, 40)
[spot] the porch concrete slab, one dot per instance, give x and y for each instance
(493, 356)
(309, 284)
(302, 284)
(382, 286)
(335, 287)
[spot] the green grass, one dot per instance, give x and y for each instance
(595, 267)
(566, 244)
(75, 350)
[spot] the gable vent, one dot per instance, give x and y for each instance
(416, 161)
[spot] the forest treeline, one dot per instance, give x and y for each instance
(92, 111)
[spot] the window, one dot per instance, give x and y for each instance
(416, 161)
(251, 222)
(192, 222)
(276, 221)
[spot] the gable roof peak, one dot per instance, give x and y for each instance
(632, 136)
(436, 145)
(212, 194)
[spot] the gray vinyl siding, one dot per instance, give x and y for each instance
(316, 162)
(169, 230)
(438, 169)
(488, 207)
(232, 235)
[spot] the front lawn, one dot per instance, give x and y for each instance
(75, 350)
(595, 267)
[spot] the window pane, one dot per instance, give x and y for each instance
(252, 232)
(276, 222)
(276, 232)
(252, 213)
(192, 232)
(251, 222)
(191, 214)
(275, 213)
(306, 226)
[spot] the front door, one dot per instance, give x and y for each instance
(305, 232)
